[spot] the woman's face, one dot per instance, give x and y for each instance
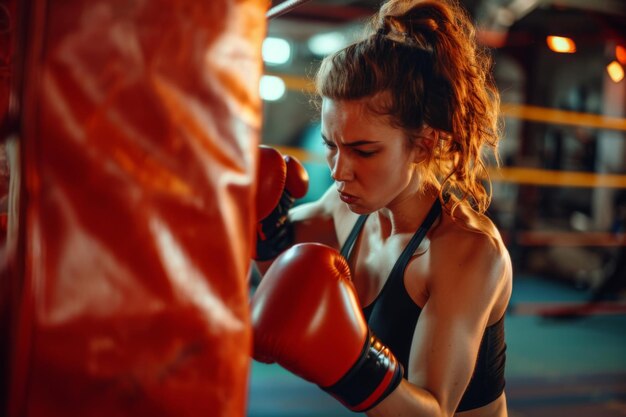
(369, 159)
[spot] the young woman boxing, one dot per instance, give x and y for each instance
(398, 308)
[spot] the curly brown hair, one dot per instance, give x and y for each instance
(423, 56)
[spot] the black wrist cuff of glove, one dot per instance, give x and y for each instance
(374, 376)
(275, 232)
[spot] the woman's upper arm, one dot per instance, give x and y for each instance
(447, 337)
(315, 221)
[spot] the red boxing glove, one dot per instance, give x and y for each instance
(306, 317)
(281, 180)
(297, 179)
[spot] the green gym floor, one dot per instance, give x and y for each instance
(571, 366)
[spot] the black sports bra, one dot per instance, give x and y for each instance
(393, 315)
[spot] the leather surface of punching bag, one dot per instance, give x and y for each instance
(8, 13)
(139, 127)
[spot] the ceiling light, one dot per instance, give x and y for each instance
(327, 43)
(561, 44)
(276, 51)
(272, 88)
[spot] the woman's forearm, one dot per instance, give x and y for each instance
(410, 401)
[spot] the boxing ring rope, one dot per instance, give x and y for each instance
(597, 308)
(564, 117)
(571, 239)
(552, 178)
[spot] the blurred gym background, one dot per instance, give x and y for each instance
(559, 199)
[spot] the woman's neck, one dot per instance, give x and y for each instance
(405, 215)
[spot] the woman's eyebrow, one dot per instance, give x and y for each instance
(361, 142)
(355, 143)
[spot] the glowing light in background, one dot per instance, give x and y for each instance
(272, 88)
(276, 51)
(616, 71)
(327, 43)
(561, 44)
(620, 54)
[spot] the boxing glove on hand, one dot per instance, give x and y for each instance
(281, 180)
(306, 317)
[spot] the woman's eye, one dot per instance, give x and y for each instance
(364, 154)
(328, 144)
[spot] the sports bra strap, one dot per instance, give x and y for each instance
(356, 229)
(417, 238)
(432, 215)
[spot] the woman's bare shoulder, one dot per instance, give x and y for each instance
(472, 243)
(468, 225)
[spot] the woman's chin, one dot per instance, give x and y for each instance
(360, 210)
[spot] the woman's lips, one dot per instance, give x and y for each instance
(347, 198)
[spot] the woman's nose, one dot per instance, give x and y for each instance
(340, 169)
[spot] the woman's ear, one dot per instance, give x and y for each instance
(424, 143)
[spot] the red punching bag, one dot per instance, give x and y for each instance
(138, 129)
